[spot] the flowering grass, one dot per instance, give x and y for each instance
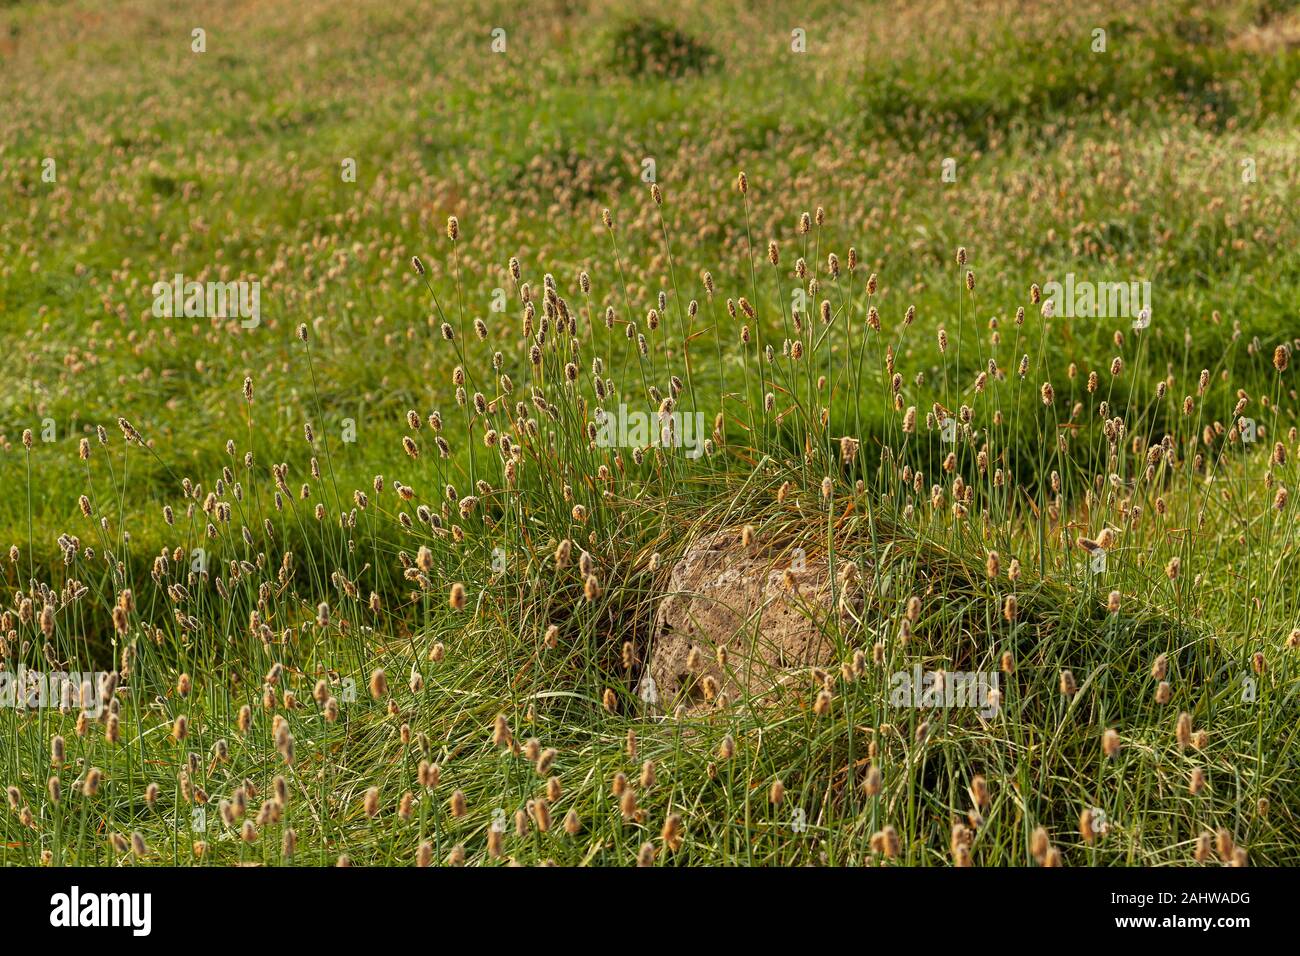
(371, 591)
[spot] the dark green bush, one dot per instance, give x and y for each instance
(649, 47)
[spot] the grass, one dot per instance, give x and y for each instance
(285, 577)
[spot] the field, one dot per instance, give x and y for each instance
(974, 326)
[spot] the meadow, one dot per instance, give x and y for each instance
(364, 578)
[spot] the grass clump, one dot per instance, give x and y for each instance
(649, 47)
(370, 582)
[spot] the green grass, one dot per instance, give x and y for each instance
(1116, 166)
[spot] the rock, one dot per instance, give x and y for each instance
(721, 594)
